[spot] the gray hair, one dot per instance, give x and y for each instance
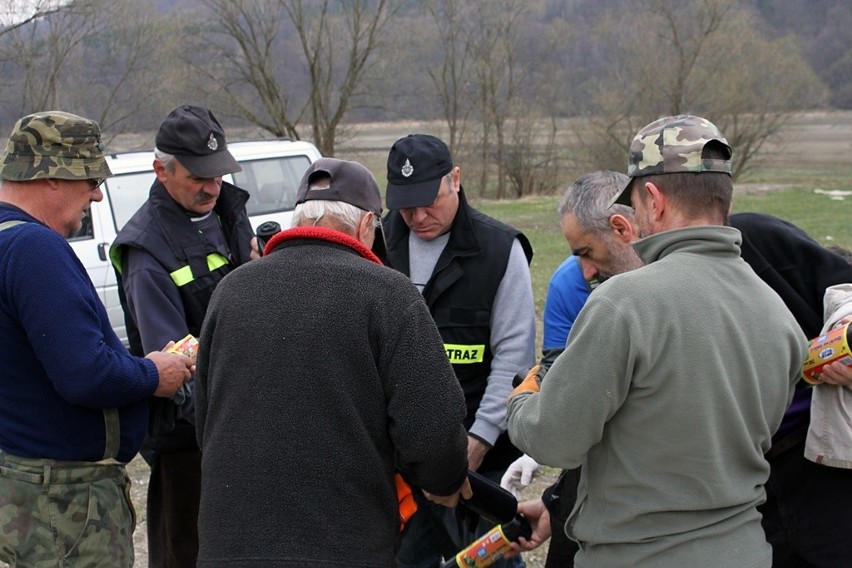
(167, 160)
(337, 213)
(588, 199)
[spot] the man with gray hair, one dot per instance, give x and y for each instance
(169, 257)
(321, 374)
(600, 237)
(73, 401)
(674, 377)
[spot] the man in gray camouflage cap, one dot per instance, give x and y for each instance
(674, 377)
(73, 401)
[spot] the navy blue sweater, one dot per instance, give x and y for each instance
(62, 363)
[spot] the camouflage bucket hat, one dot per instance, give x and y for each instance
(54, 145)
(672, 145)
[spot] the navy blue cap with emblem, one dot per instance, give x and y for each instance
(416, 165)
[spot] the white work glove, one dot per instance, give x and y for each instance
(519, 474)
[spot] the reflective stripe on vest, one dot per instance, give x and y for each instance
(183, 275)
(461, 354)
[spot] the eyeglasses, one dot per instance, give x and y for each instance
(95, 183)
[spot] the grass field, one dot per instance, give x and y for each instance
(806, 178)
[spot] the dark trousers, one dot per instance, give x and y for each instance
(808, 512)
(174, 495)
(560, 499)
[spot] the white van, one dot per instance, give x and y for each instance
(271, 173)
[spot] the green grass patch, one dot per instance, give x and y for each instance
(827, 220)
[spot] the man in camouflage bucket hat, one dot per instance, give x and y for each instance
(674, 377)
(55, 145)
(72, 399)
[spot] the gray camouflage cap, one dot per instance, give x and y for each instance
(672, 145)
(54, 145)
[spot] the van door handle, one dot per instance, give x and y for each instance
(102, 250)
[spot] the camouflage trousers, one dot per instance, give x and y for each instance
(65, 514)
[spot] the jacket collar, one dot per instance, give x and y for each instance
(462, 242)
(321, 234)
(176, 225)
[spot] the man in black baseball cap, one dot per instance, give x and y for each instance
(170, 256)
(474, 274)
(416, 165)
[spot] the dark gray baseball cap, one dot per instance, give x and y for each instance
(349, 182)
(194, 136)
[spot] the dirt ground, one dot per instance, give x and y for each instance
(139, 471)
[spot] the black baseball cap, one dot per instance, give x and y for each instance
(349, 182)
(416, 165)
(194, 136)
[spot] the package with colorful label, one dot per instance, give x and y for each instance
(187, 346)
(832, 346)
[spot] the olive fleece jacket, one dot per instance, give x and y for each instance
(674, 378)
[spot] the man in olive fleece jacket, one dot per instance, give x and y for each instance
(320, 375)
(674, 377)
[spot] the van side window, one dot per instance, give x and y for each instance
(127, 193)
(272, 183)
(87, 231)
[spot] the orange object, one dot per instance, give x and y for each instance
(834, 345)
(407, 504)
(187, 346)
(530, 384)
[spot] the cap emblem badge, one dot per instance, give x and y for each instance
(407, 169)
(212, 143)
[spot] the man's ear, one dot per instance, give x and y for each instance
(160, 170)
(365, 227)
(622, 228)
(456, 171)
(658, 199)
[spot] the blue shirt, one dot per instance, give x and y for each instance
(62, 362)
(566, 294)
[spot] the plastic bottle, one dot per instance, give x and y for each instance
(490, 547)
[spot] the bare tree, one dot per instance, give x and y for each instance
(338, 42)
(98, 58)
(15, 14)
(127, 64)
(41, 50)
(337, 39)
(451, 78)
(250, 81)
(705, 57)
(495, 43)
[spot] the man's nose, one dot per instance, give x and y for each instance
(589, 269)
(212, 185)
(418, 214)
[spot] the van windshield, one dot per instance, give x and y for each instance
(272, 183)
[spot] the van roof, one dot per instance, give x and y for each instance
(123, 162)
